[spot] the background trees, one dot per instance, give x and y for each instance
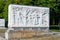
(54, 6)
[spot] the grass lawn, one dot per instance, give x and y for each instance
(53, 30)
(2, 30)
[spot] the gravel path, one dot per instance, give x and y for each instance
(1, 38)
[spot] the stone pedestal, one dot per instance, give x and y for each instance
(27, 18)
(7, 32)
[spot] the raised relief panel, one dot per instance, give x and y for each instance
(28, 16)
(45, 18)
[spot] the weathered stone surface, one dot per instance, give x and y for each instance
(33, 35)
(28, 16)
(2, 23)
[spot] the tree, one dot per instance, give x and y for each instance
(54, 6)
(1, 8)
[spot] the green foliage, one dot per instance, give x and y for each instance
(55, 27)
(54, 6)
(1, 8)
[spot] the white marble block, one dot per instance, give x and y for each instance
(28, 16)
(2, 23)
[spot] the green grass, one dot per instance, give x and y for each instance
(53, 30)
(2, 30)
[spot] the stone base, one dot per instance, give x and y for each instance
(45, 29)
(32, 28)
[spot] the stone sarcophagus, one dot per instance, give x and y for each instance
(28, 16)
(22, 17)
